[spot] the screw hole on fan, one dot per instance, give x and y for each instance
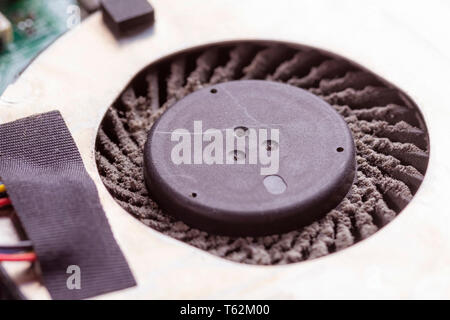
(194, 195)
(213, 90)
(340, 149)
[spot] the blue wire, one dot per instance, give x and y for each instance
(10, 251)
(17, 247)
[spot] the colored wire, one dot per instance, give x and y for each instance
(16, 247)
(20, 246)
(4, 202)
(29, 256)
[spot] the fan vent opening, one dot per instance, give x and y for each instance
(390, 135)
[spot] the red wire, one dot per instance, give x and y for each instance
(29, 256)
(5, 202)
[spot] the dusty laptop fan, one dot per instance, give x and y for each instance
(338, 182)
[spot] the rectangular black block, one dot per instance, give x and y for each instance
(127, 16)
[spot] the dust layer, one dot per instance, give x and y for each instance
(391, 144)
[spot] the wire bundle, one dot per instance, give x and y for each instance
(17, 257)
(4, 200)
(21, 251)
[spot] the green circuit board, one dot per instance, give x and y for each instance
(36, 24)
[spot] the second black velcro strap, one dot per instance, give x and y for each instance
(58, 205)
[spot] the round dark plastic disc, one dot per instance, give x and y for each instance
(294, 163)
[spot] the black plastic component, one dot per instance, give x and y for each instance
(315, 151)
(127, 16)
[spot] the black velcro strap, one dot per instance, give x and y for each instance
(58, 205)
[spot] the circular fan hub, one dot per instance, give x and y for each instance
(249, 158)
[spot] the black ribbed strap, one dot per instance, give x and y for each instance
(57, 203)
